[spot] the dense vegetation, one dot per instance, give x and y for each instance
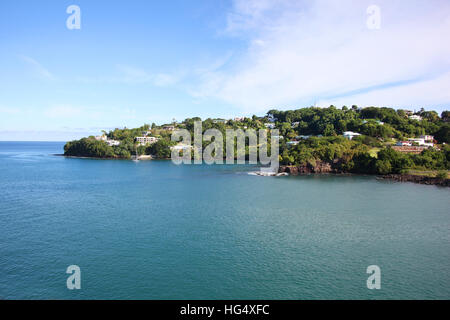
(369, 153)
(89, 147)
(332, 121)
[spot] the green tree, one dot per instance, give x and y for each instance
(443, 133)
(160, 149)
(383, 166)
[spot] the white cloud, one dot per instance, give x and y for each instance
(422, 94)
(63, 111)
(65, 134)
(136, 75)
(132, 75)
(165, 79)
(40, 70)
(9, 110)
(96, 113)
(302, 51)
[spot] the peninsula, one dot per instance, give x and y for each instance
(381, 141)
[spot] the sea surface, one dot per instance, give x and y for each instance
(154, 230)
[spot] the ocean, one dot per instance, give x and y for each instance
(155, 230)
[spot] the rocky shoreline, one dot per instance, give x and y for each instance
(327, 168)
(417, 179)
(318, 167)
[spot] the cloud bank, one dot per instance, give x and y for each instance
(301, 52)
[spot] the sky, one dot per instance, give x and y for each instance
(134, 62)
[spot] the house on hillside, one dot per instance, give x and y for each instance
(404, 144)
(146, 140)
(101, 138)
(292, 143)
(376, 121)
(350, 135)
(422, 141)
(427, 138)
(415, 117)
(112, 143)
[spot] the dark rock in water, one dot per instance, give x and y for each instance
(292, 170)
(417, 179)
(318, 167)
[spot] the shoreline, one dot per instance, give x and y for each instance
(285, 171)
(323, 168)
(140, 158)
(416, 179)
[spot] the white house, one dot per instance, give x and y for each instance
(415, 117)
(292, 143)
(350, 135)
(427, 138)
(146, 140)
(277, 137)
(270, 125)
(169, 128)
(404, 144)
(101, 138)
(376, 121)
(112, 142)
(421, 142)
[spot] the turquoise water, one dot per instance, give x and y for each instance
(153, 230)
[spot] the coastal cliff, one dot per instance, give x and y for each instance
(309, 168)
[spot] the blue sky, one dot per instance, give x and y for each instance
(135, 62)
